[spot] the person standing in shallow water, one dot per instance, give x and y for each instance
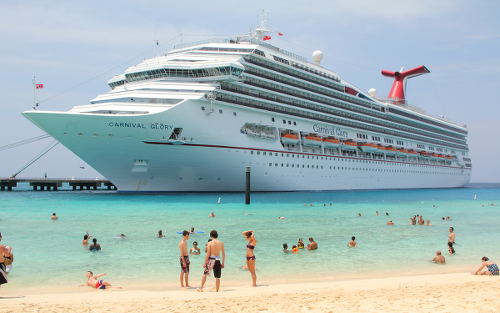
(214, 260)
(184, 259)
(451, 240)
(95, 246)
(54, 217)
(251, 243)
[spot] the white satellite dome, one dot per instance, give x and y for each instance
(372, 92)
(317, 56)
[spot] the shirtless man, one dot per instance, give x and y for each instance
(95, 282)
(451, 241)
(439, 259)
(184, 259)
(313, 245)
(54, 217)
(215, 248)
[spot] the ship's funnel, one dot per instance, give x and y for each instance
(397, 93)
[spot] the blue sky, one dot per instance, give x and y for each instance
(75, 47)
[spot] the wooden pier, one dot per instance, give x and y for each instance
(54, 184)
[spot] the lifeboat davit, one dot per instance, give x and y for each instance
(424, 154)
(368, 147)
(390, 150)
(350, 145)
(412, 152)
(312, 140)
(331, 142)
(402, 152)
(288, 138)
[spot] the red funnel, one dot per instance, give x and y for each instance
(397, 92)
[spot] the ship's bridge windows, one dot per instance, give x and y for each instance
(259, 52)
(183, 73)
(281, 60)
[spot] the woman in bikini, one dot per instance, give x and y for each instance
(252, 242)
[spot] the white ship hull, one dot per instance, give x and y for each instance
(136, 154)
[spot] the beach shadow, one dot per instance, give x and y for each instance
(16, 297)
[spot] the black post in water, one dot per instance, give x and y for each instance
(247, 185)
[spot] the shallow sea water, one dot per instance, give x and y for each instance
(50, 252)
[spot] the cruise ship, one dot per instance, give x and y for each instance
(197, 117)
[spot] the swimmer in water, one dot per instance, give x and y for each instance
(390, 223)
(285, 248)
(212, 214)
(428, 223)
(54, 217)
(86, 238)
(300, 244)
(359, 214)
(352, 243)
(160, 234)
(281, 218)
(195, 250)
(439, 258)
(295, 250)
(192, 230)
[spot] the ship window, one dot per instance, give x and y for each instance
(258, 152)
(203, 108)
(272, 119)
(251, 152)
(264, 153)
(294, 123)
(220, 111)
(284, 122)
(234, 113)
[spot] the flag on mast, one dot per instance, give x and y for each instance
(38, 86)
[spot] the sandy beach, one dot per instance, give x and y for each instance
(459, 292)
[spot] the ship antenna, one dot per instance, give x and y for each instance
(35, 101)
(157, 46)
(261, 30)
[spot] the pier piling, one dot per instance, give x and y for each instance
(247, 185)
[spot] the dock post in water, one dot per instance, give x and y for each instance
(247, 185)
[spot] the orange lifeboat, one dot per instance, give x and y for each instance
(349, 145)
(331, 142)
(312, 140)
(289, 138)
(368, 147)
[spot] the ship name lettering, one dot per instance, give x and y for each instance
(126, 125)
(161, 126)
(333, 131)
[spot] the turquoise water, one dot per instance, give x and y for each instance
(50, 252)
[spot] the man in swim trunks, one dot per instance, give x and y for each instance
(184, 259)
(451, 241)
(213, 262)
(95, 282)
